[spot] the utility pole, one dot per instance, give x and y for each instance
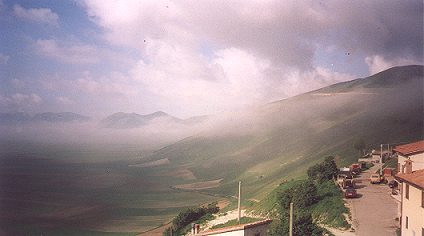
(239, 202)
(381, 159)
(291, 220)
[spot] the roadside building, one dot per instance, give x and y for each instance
(259, 228)
(412, 151)
(412, 200)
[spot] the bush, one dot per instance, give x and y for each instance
(188, 216)
(302, 225)
(303, 194)
(323, 171)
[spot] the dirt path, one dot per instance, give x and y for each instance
(374, 211)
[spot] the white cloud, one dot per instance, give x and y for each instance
(38, 15)
(4, 59)
(67, 52)
(65, 101)
(79, 53)
(377, 63)
(17, 101)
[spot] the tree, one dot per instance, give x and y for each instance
(303, 194)
(323, 171)
(330, 167)
(303, 225)
(360, 146)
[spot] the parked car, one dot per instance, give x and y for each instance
(350, 193)
(348, 183)
(376, 178)
(356, 168)
(393, 184)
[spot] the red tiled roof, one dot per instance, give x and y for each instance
(235, 228)
(416, 178)
(410, 148)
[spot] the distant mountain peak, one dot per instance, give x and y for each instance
(122, 120)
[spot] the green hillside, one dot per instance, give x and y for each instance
(104, 189)
(282, 139)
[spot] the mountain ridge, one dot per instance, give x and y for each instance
(122, 120)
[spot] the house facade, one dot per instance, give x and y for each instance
(412, 151)
(412, 201)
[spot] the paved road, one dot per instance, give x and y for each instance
(374, 211)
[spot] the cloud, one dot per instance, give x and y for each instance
(18, 101)
(285, 32)
(71, 53)
(38, 15)
(79, 53)
(64, 101)
(196, 57)
(377, 63)
(4, 59)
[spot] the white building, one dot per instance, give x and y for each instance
(412, 200)
(412, 151)
(259, 228)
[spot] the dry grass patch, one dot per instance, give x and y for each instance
(178, 173)
(160, 162)
(200, 185)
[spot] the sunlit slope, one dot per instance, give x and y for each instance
(282, 139)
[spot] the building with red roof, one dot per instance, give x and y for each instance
(412, 199)
(412, 151)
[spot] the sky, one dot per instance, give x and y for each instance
(193, 57)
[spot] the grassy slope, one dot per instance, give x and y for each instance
(300, 131)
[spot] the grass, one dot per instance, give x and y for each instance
(243, 220)
(330, 209)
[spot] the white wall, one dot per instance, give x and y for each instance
(417, 164)
(412, 208)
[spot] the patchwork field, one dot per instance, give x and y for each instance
(45, 192)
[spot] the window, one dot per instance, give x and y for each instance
(406, 222)
(407, 191)
(422, 199)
